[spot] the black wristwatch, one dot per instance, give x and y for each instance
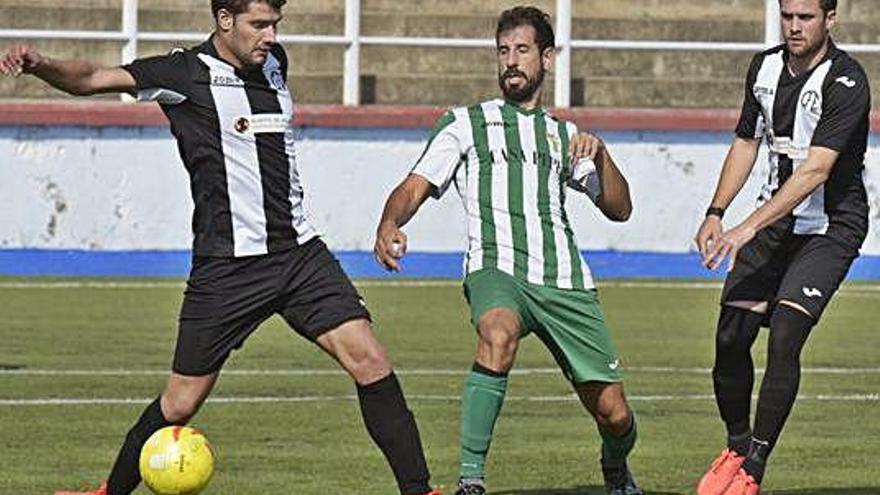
(715, 210)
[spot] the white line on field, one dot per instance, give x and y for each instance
(405, 372)
(98, 284)
(421, 398)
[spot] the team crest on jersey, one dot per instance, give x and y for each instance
(242, 125)
(812, 102)
(276, 81)
(555, 143)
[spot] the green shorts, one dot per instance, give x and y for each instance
(569, 322)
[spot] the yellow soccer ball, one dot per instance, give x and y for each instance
(177, 460)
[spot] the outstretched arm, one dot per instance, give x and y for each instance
(400, 207)
(77, 77)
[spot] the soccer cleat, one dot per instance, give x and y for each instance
(102, 490)
(743, 484)
(471, 487)
(720, 473)
(619, 481)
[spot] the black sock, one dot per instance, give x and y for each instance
(789, 329)
(756, 460)
(740, 443)
(393, 428)
(734, 373)
(125, 475)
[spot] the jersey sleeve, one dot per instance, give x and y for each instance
(583, 176)
(845, 109)
(164, 72)
(442, 155)
(751, 120)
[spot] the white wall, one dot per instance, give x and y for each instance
(121, 189)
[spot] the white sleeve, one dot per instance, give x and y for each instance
(441, 159)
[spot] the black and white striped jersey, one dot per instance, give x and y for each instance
(828, 106)
(236, 140)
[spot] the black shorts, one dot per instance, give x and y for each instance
(780, 265)
(227, 298)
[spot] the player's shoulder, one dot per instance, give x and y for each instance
(844, 64)
(279, 53)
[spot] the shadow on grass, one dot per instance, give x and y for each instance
(578, 490)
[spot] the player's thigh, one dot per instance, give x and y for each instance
(572, 326)
(224, 302)
(815, 273)
(497, 303)
(318, 296)
(760, 266)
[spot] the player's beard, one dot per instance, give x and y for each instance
(522, 93)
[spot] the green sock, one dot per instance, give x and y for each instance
(480, 405)
(616, 448)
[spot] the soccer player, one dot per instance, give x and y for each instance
(255, 252)
(511, 162)
(810, 102)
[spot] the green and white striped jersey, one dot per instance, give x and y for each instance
(511, 168)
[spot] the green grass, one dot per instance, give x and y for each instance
(320, 446)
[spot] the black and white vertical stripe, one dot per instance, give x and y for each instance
(264, 193)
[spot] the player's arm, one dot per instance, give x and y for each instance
(431, 176)
(77, 77)
(734, 173)
(805, 179)
(613, 191)
(400, 207)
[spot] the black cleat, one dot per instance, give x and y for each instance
(471, 487)
(619, 481)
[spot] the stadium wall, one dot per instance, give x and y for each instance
(98, 189)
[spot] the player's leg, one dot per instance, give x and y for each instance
(572, 326)
(321, 304)
(495, 311)
(753, 282)
(815, 273)
(617, 427)
(386, 415)
(225, 300)
(181, 399)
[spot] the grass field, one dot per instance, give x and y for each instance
(78, 361)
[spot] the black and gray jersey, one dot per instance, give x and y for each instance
(828, 106)
(236, 140)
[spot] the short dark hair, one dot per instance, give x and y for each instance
(236, 7)
(825, 5)
(528, 16)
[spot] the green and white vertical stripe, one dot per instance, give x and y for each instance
(513, 183)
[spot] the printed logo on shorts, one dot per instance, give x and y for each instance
(614, 365)
(812, 292)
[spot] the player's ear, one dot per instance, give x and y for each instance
(830, 19)
(225, 20)
(548, 58)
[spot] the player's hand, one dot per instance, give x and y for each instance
(707, 236)
(390, 246)
(584, 145)
(20, 59)
(728, 246)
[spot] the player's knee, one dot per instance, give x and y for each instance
(789, 329)
(368, 364)
(736, 329)
(615, 419)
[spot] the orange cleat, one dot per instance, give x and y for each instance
(743, 484)
(720, 475)
(102, 490)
